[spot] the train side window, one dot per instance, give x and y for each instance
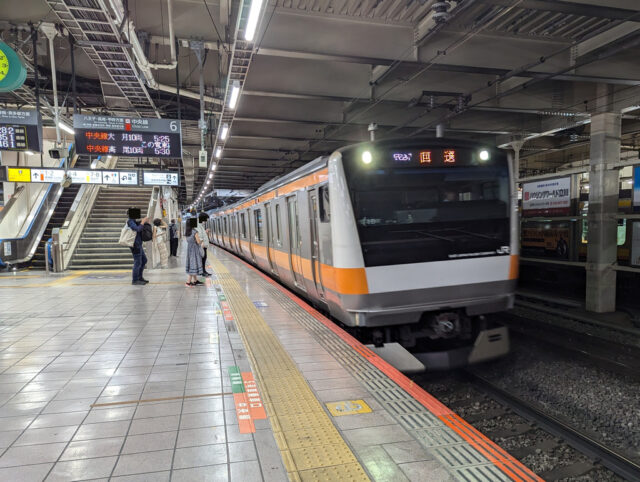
(278, 237)
(243, 225)
(258, 224)
(325, 215)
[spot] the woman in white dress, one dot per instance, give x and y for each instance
(160, 232)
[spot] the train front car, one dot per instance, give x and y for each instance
(424, 245)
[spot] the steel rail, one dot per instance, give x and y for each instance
(580, 441)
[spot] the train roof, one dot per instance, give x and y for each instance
(278, 182)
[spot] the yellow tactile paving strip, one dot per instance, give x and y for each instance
(311, 447)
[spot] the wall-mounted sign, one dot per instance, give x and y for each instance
(128, 178)
(547, 197)
(85, 177)
(20, 130)
(12, 71)
(110, 177)
(636, 187)
(165, 178)
(47, 175)
(18, 174)
(127, 136)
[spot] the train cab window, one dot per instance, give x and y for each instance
(278, 236)
(243, 225)
(325, 216)
(258, 224)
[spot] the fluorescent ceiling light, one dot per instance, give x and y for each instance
(235, 93)
(224, 132)
(213, 168)
(252, 22)
(211, 174)
(66, 128)
(218, 152)
(29, 153)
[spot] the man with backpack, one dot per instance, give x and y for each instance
(139, 258)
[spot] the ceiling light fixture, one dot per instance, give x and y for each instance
(66, 128)
(252, 22)
(235, 93)
(218, 152)
(224, 132)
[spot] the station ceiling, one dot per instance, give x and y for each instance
(323, 70)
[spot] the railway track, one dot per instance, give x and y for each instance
(551, 447)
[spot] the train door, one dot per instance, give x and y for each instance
(295, 242)
(268, 237)
(315, 242)
(252, 233)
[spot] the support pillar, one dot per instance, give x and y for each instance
(602, 249)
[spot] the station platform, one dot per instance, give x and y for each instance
(238, 379)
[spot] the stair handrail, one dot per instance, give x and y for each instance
(20, 249)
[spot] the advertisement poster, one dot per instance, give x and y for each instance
(635, 245)
(547, 197)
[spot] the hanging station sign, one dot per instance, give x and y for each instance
(20, 130)
(85, 176)
(547, 197)
(127, 136)
(160, 178)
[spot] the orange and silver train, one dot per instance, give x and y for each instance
(410, 242)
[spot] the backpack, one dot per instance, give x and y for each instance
(127, 236)
(147, 232)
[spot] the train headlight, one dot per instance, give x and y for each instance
(484, 155)
(367, 157)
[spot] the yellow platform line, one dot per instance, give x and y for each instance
(312, 449)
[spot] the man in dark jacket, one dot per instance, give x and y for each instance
(173, 238)
(139, 258)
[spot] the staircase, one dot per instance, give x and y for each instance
(56, 221)
(98, 247)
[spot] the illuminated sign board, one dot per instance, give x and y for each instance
(546, 197)
(127, 136)
(20, 130)
(17, 174)
(47, 175)
(436, 157)
(165, 178)
(85, 177)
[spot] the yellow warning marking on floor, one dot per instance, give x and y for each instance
(310, 445)
(348, 407)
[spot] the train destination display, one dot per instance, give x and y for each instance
(20, 130)
(127, 136)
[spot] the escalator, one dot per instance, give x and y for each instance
(59, 214)
(57, 219)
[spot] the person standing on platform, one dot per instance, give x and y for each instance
(160, 241)
(193, 265)
(203, 234)
(173, 238)
(139, 258)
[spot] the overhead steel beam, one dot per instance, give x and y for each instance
(332, 123)
(465, 69)
(573, 8)
(401, 103)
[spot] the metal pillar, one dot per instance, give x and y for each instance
(602, 249)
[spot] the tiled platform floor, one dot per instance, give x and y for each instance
(154, 360)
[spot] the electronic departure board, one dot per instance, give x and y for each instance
(127, 136)
(19, 130)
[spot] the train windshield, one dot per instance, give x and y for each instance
(408, 214)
